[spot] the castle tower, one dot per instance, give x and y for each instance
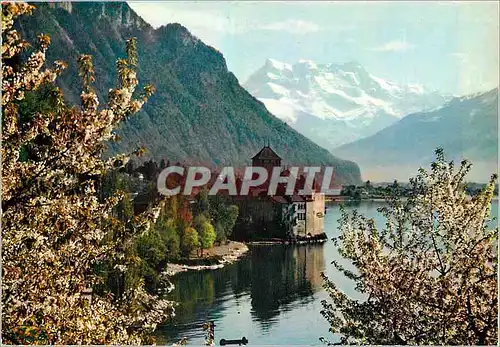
(267, 158)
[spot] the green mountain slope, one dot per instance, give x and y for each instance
(199, 112)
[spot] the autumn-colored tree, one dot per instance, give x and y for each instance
(429, 276)
(184, 212)
(55, 229)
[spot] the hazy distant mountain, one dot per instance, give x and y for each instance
(466, 127)
(199, 112)
(334, 104)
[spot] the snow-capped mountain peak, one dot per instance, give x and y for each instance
(309, 63)
(345, 95)
(278, 65)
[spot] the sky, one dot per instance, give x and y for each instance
(452, 47)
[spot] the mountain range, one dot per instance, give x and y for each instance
(334, 104)
(199, 112)
(465, 127)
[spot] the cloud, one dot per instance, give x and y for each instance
(209, 26)
(394, 46)
(459, 56)
(205, 20)
(294, 26)
(472, 77)
(194, 19)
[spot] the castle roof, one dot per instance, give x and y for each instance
(279, 199)
(297, 198)
(266, 153)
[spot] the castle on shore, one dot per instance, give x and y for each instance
(285, 216)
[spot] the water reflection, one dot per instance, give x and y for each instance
(274, 279)
(284, 275)
(273, 296)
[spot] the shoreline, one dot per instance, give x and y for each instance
(232, 252)
(378, 199)
(229, 253)
(286, 242)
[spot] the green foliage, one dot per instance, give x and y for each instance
(113, 182)
(190, 241)
(368, 185)
(172, 242)
(43, 100)
(152, 250)
(224, 221)
(207, 235)
(202, 203)
(224, 217)
(199, 220)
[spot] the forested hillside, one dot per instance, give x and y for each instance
(199, 112)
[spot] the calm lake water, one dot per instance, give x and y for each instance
(272, 296)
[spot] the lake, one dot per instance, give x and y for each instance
(272, 296)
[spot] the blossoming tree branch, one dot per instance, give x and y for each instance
(429, 276)
(55, 229)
